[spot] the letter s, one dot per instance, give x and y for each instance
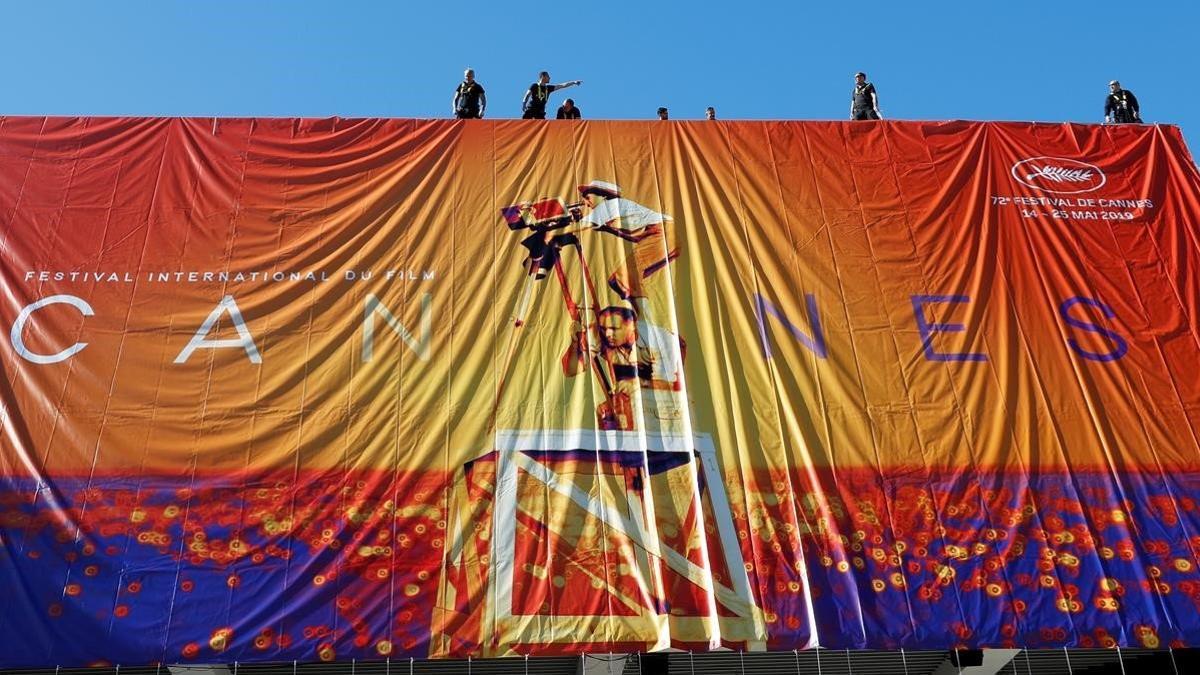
(1119, 344)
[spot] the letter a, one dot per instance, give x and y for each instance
(244, 339)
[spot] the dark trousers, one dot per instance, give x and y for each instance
(467, 113)
(864, 114)
(534, 115)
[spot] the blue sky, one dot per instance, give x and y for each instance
(753, 60)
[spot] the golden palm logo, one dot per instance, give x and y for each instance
(1058, 174)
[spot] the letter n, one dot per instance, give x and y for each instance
(815, 344)
(375, 306)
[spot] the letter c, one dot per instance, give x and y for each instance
(18, 328)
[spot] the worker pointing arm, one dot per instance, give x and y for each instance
(533, 106)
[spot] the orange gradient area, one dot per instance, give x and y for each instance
(309, 227)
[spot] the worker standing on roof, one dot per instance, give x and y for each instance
(469, 100)
(1121, 106)
(534, 105)
(864, 103)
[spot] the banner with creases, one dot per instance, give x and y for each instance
(297, 389)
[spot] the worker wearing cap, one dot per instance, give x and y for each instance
(864, 103)
(662, 114)
(1121, 106)
(469, 101)
(534, 104)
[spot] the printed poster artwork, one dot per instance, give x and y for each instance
(294, 389)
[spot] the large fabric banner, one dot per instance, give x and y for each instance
(292, 389)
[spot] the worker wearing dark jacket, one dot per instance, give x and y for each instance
(568, 111)
(864, 103)
(533, 106)
(1121, 106)
(469, 100)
